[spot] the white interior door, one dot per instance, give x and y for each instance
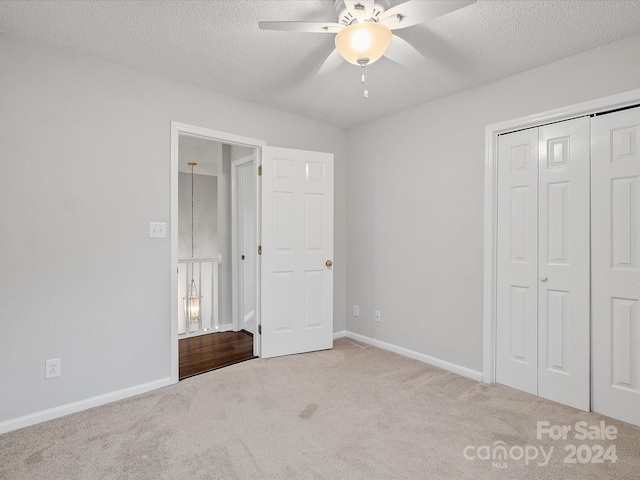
(563, 283)
(245, 224)
(517, 261)
(616, 273)
(542, 344)
(297, 251)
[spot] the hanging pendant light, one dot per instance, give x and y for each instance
(192, 300)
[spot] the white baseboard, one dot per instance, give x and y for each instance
(225, 327)
(436, 362)
(61, 411)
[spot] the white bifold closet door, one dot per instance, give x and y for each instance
(517, 261)
(542, 344)
(615, 264)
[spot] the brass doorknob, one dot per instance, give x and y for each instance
(328, 263)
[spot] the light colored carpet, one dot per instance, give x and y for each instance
(354, 412)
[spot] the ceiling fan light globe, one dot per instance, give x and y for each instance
(359, 40)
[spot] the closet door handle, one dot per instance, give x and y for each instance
(543, 279)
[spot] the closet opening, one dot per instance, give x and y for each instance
(534, 317)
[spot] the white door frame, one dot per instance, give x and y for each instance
(612, 102)
(236, 309)
(176, 130)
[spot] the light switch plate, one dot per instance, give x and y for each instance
(157, 230)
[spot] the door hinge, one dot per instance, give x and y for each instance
(260, 329)
(259, 170)
(259, 249)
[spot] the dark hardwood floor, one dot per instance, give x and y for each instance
(208, 352)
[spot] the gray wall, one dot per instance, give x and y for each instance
(205, 215)
(84, 168)
(415, 202)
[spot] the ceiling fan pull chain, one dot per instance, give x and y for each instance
(364, 80)
(364, 61)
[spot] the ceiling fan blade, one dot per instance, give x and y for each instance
(413, 12)
(307, 27)
(401, 51)
(361, 9)
(332, 62)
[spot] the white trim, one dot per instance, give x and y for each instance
(217, 259)
(436, 362)
(227, 327)
(341, 334)
(591, 107)
(257, 339)
(69, 408)
(238, 324)
(217, 135)
(178, 129)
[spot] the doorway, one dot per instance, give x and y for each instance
(201, 234)
(293, 306)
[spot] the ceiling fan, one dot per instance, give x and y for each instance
(363, 30)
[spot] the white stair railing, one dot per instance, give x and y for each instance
(205, 274)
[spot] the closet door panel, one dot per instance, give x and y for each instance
(615, 269)
(563, 298)
(517, 260)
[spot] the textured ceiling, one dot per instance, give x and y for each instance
(216, 45)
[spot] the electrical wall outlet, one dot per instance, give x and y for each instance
(53, 368)
(378, 316)
(356, 311)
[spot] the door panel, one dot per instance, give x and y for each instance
(517, 261)
(623, 229)
(248, 237)
(563, 286)
(556, 331)
(297, 241)
(244, 240)
(616, 277)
